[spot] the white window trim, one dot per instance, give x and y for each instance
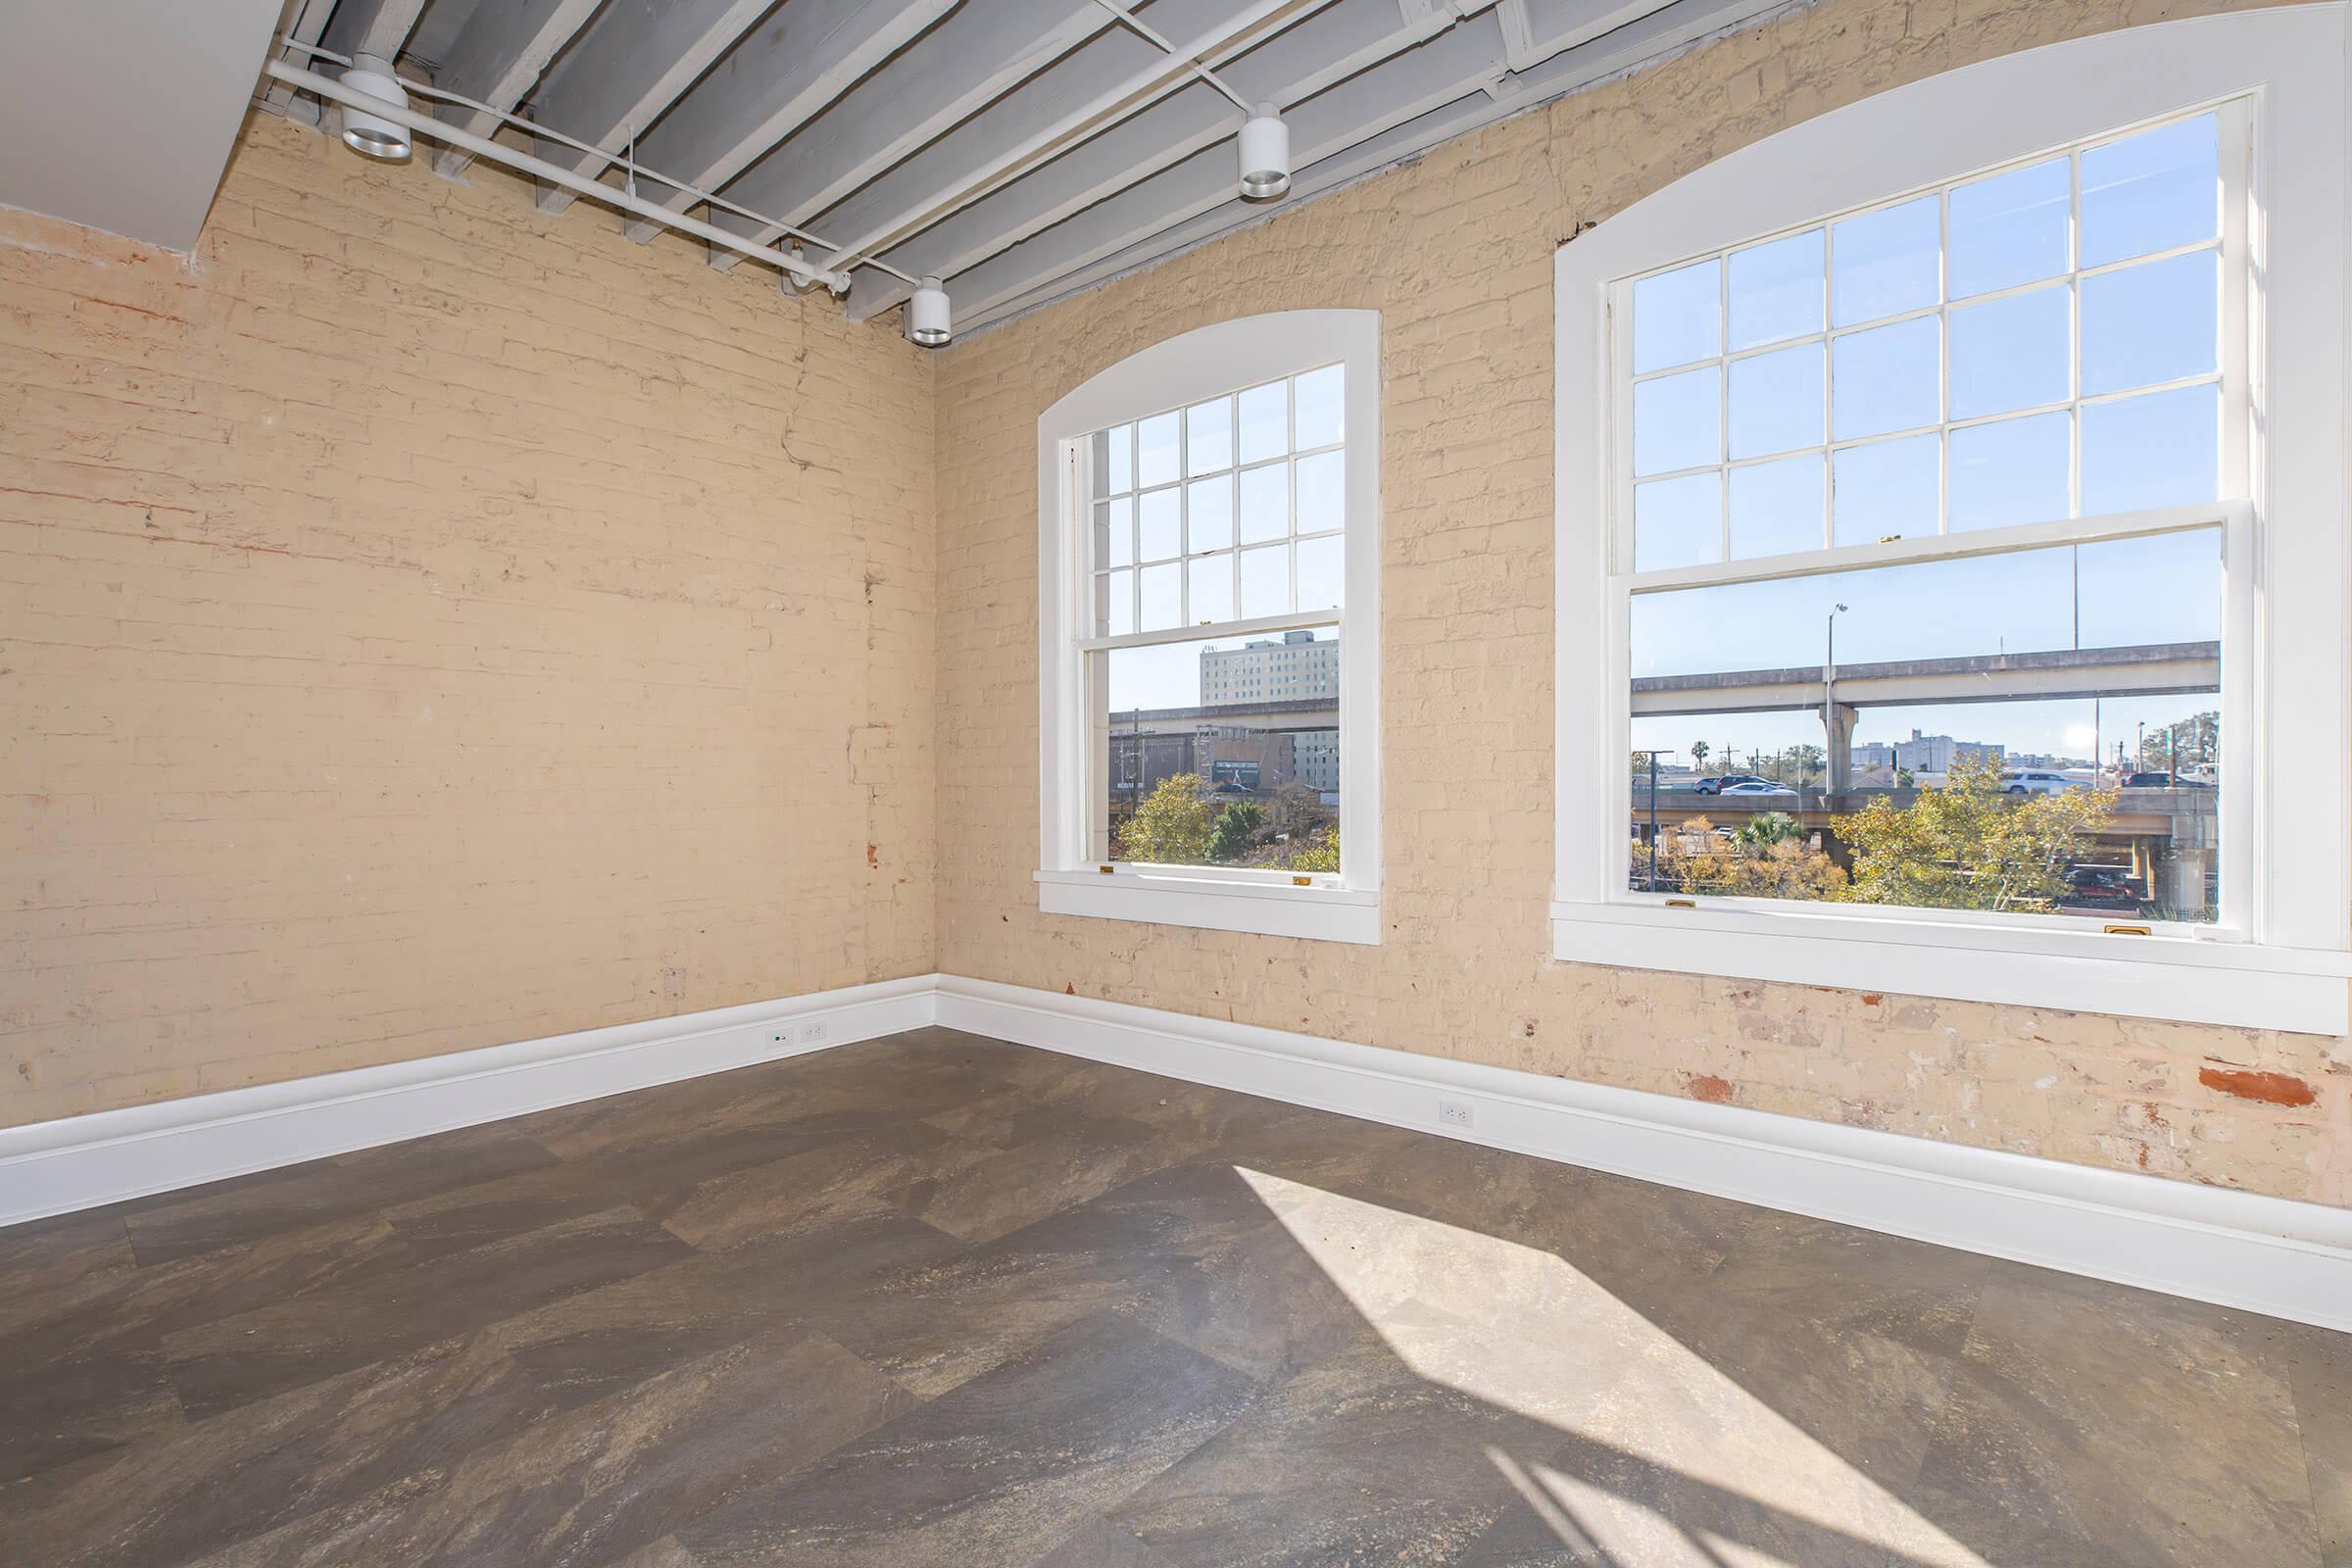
(2288, 963)
(1207, 363)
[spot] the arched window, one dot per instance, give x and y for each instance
(1964, 471)
(1209, 589)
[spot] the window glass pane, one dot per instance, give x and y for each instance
(2010, 230)
(1886, 378)
(1116, 603)
(2157, 322)
(1209, 436)
(1888, 488)
(1776, 290)
(1163, 595)
(1267, 502)
(2163, 588)
(1322, 485)
(1678, 421)
(2162, 448)
(1678, 522)
(1212, 582)
(1266, 581)
(1320, 414)
(2155, 191)
(1265, 422)
(1198, 770)
(1162, 533)
(2012, 352)
(1156, 442)
(1777, 402)
(1961, 786)
(1115, 460)
(1678, 318)
(1322, 573)
(1114, 532)
(1888, 262)
(1777, 507)
(2015, 470)
(1208, 515)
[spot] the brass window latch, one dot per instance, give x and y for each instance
(2129, 931)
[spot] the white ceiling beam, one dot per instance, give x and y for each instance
(378, 27)
(1179, 217)
(630, 63)
(775, 82)
(498, 57)
(301, 22)
(974, 57)
(1341, 43)
(985, 171)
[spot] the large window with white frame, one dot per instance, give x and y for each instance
(1931, 545)
(1208, 576)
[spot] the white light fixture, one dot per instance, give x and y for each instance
(1265, 155)
(365, 133)
(927, 321)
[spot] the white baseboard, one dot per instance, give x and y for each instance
(2240, 1249)
(55, 1167)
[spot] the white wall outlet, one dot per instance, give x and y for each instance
(809, 1031)
(1453, 1114)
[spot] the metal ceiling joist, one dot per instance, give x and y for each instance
(777, 78)
(630, 63)
(976, 171)
(1194, 201)
(301, 21)
(378, 27)
(974, 57)
(497, 58)
(1319, 53)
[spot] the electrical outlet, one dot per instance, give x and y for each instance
(1453, 1114)
(811, 1032)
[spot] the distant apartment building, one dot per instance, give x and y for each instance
(1294, 667)
(1936, 753)
(1315, 760)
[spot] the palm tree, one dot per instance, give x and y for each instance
(1698, 755)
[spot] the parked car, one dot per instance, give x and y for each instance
(2162, 781)
(2104, 885)
(1759, 786)
(2036, 781)
(1723, 783)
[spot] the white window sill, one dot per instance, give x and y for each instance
(2180, 979)
(1318, 914)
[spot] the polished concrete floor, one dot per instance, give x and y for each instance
(938, 1299)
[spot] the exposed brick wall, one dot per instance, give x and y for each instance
(1456, 251)
(424, 625)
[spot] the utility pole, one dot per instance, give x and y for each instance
(1653, 816)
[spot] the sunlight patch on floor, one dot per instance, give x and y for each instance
(1528, 1333)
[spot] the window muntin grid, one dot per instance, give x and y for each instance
(1230, 508)
(1975, 355)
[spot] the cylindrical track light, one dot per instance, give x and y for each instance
(927, 319)
(365, 133)
(1265, 155)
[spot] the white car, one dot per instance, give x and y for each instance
(1760, 789)
(2036, 781)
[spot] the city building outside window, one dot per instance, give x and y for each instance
(1923, 502)
(1208, 582)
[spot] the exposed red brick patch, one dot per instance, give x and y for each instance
(2270, 1088)
(1871, 998)
(1708, 1087)
(872, 854)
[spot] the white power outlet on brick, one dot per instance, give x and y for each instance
(1454, 1113)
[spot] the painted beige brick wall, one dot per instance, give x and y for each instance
(425, 624)
(1456, 251)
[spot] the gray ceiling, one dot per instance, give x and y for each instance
(1020, 149)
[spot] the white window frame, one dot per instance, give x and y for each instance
(2278, 958)
(1210, 361)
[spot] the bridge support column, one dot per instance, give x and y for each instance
(1839, 745)
(2189, 869)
